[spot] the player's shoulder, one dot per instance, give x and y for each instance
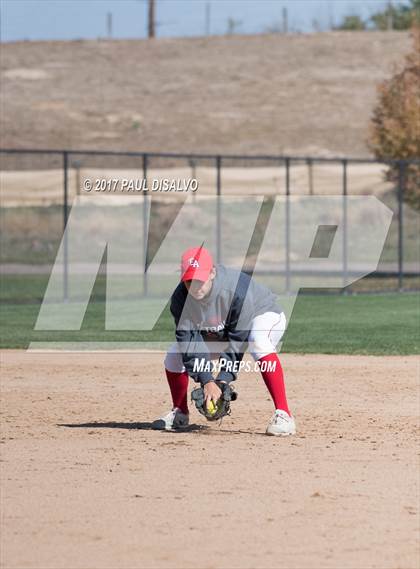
(178, 296)
(233, 280)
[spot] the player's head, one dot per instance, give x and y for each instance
(197, 271)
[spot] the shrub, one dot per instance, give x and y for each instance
(399, 17)
(395, 126)
(351, 23)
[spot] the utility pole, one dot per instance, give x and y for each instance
(109, 25)
(331, 21)
(151, 20)
(285, 22)
(208, 18)
(316, 25)
(389, 17)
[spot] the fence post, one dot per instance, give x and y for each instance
(287, 225)
(193, 167)
(65, 217)
(145, 225)
(310, 176)
(345, 252)
(219, 209)
(401, 183)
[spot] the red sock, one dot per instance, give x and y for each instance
(274, 381)
(178, 384)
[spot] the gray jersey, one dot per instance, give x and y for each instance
(224, 315)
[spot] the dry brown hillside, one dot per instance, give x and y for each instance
(302, 94)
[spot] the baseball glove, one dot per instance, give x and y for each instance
(222, 407)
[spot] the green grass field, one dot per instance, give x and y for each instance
(330, 324)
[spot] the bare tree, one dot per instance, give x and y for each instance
(232, 24)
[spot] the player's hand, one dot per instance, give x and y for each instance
(212, 392)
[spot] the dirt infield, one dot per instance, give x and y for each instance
(87, 484)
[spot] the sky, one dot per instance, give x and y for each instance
(87, 19)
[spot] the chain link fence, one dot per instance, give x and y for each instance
(38, 189)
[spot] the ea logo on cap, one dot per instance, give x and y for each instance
(194, 263)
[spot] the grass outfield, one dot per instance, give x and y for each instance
(329, 324)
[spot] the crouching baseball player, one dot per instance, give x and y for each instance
(220, 312)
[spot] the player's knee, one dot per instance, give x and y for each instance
(173, 361)
(260, 347)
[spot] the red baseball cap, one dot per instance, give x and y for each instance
(196, 263)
